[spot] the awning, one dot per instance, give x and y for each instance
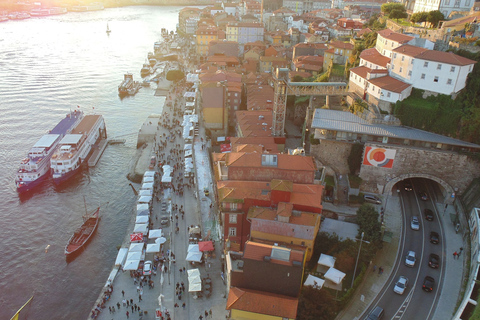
(144, 199)
(134, 255)
(225, 148)
(131, 265)
(160, 240)
(148, 192)
(153, 247)
(148, 179)
(205, 246)
(141, 219)
(136, 237)
(193, 248)
(141, 227)
(194, 280)
(135, 247)
(326, 260)
(142, 207)
(194, 256)
(121, 256)
(155, 233)
(334, 275)
(147, 186)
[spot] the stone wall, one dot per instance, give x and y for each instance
(429, 34)
(333, 154)
(452, 170)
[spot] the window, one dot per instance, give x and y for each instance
(403, 58)
(425, 64)
(410, 73)
(452, 69)
(232, 218)
(449, 81)
(401, 69)
(439, 66)
(393, 67)
(423, 76)
(435, 79)
(411, 61)
(395, 55)
(388, 94)
(232, 232)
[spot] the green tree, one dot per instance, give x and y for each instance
(388, 7)
(397, 14)
(367, 220)
(175, 75)
(419, 17)
(355, 158)
(434, 17)
(314, 304)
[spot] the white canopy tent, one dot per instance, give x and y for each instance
(154, 233)
(136, 255)
(153, 247)
(121, 256)
(135, 247)
(143, 209)
(161, 240)
(194, 280)
(141, 227)
(188, 146)
(325, 262)
(131, 265)
(148, 179)
(149, 174)
(194, 256)
(314, 282)
(147, 186)
(144, 199)
(334, 275)
(141, 219)
(193, 248)
(166, 179)
(148, 192)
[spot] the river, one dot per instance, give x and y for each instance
(48, 66)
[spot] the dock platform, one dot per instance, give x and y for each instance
(98, 149)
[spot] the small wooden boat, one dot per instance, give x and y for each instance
(83, 234)
(108, 29)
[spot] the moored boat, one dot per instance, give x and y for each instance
(36, 166)
(48, 11)
(95, 6)
(76, 147)
(146, 70)
(128, 86)
(18, 15)
(83, 234)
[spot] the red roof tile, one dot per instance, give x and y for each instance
(257, 251)
(433, 55)
(395, 36)
(373, 56)
(390, 84)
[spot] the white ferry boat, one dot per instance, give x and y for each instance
(76, 147)
(95, 6)
(48, 11)
(36, 166)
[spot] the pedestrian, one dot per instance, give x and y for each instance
(124, 302)
(132, 308)
(380, 270)
(123, 293)
(183, 305)
(118, 305)
(139, 297)
(113, 309)
(460, 252)
(200, 318)
(128, 314)
(455, 255)
(210, 313)
(184, 268)
(176, 305)
(206, 314)
(131, 302)
(136, 307)
(374, 268)
(110, 309)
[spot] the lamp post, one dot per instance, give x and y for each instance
(358, 256)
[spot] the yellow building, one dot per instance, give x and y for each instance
(338, 52)
(246, 304)
(214, 107)
(205, 34)
(285, 226)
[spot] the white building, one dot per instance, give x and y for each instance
(372, 59)
(387, 40)
(302, 6)
(430, 70)
(444, 6)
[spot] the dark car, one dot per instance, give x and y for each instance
(423, 195)
(408, 186)
(434, 237)
(428, 284)
(376, 314)
(433, 261)
(428, 214)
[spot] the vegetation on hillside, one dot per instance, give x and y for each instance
(394, 10)
(175, 75)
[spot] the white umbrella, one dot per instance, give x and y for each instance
(141, 219)
(131, 265)
(154, 233)
(161, 240)
(194, 256)
(135, 247)
(153, 247)
(141, 227)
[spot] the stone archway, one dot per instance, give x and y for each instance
(447, 196)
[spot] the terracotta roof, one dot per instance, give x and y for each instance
(247, 148)
(433, 55)
(284, 161)
(390, 84)
(281, 185)
(257, 251)
(394, 36)
(262, 302)
(373, 56)
(341, 45)
(362, 71)
(363, 32)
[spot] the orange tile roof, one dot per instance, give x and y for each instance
(362, 71)
(341, 45)
(262, 302)
(257, 251)
(284, 209)
(281, 185)
(285, 161)
(373, 56)
(247, 148)
(433, 55)
(390, 84)
(394, 36)
(255, 123)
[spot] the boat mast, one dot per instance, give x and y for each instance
(15, 316)
(85, 204)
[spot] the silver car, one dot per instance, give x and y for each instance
(401, 285)
(410, 259)
(415, 223)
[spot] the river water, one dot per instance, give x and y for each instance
(48, 66)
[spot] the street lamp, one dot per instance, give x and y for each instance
(358, 256)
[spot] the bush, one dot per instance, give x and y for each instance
(314, 141)
(175, 75)
(355, 181)
(353, 199)
(355, 158)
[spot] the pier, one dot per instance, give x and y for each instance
(98, 149)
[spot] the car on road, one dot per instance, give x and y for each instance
(433, 261)
(434, 237)
(410, 259)
(408, 185)
(415, 223)
(164, 221)
(147, 268)
(376, 314)
(423, 195)
(401, 285)
(428, 214)
(428, 284)
(372, 199)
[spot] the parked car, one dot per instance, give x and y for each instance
(434, 237)
(372, 199)
(408, 185)
(428, 214)
(433, 261)
(428, 284)
(401, 285)
(415, 223)
(376, 314)
(164, 221)
(423, 195)
(410, 259)
(147, 268)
